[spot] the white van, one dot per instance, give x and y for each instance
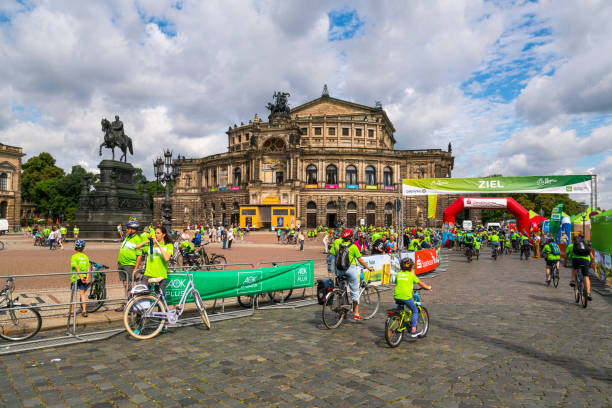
(493, 225)
(467, 225)
(4, 227)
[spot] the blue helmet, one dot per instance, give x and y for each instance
(79, 244)
(133, 224)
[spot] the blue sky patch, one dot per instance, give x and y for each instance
(343, 24)
(26, 113)
(165, 26)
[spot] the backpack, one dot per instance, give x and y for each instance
(582, 249)
(342, 258)
(554, 249)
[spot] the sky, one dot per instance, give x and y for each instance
(517, 87)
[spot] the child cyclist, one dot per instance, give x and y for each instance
(404, 282)
(79, 265)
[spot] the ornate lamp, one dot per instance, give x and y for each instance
(166, 172)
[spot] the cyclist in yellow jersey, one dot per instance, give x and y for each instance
(404, 283)
(159, 254)
(79, 264)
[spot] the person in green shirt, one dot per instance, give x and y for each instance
(552, 255)
(580, 261)
(494, 240)
(415, 244)
(352, 273)
(524, 241)
(158, 256)
(128, 255)
(404, 284)
(79, 265)
(75, 232)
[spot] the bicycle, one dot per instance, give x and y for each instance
(146, 313)
(213, 259)
(17, 322)
(97, 287)
(337, 303)
(469, 253)
(525, 249)
(398, 321)
(580, 290)
(554, 276)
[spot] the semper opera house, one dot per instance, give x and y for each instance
(326, 162)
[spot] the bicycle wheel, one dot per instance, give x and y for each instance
(280, 295)
(218, 260)
(97, 291)
(200, 305)
(584, 300)
(577, 292)
(246, 301)
(19, 324)
(369, 301)
(555, 276)
(333, 309)
(136, 321)
(393, 337)
(1, 245)
(423, 322)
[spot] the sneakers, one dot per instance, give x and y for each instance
(357, 317)
(414, 334)
(547, 281)
(589, 296)
(572, 284)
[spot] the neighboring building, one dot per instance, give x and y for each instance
(10, 184)
(331, 159)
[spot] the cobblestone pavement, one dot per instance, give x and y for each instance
(498, 337)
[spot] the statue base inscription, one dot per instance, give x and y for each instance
(113, 202)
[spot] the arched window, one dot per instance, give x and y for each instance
(3, 182)
(331, 205)
(331, 174)
(351, 175)
(223, 206)
(236, 206)
(370, 174)
(388, 176)
(311, 174)
(311, 205)
(371, 206)
(237, 176)
(3, 206)
(351, 206)
(388, 207)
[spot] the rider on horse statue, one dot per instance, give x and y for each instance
(114, 136)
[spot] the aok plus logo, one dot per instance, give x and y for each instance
(177, 284)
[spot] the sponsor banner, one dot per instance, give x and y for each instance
(425, 260)
(353, 186)
(432, 203)
(387, 266)
(371, 187)
(389, 187)
(311, 186)
(222, 188)
(224, 284)
(331, 186)
(212, 190)
(527, 184)
(235, 187)
(485, 203)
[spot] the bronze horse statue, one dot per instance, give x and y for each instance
(116, 138)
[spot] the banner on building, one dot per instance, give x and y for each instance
(527, 184)
(432, 203)
(224, 284)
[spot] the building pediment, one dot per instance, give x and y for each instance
(4, 165)
(330, 107)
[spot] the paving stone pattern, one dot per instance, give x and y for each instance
(498, 338)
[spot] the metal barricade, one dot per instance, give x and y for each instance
(53, 301)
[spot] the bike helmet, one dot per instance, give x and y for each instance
(347, 233)
(79, 244)
(133, 224)
(406, 264)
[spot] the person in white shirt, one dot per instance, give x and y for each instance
(230, 237)
(325, 243)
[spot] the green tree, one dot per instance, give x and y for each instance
(37, 169)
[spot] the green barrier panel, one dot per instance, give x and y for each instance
(226, 284)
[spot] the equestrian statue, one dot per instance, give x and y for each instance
(114, 136)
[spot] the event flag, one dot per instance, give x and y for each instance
(526, 184)
(432, 203)
(555, 220)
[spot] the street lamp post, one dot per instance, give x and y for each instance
(166, 172)
(340, 203)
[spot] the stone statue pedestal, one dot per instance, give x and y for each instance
(113, 202)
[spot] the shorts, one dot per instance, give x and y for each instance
(550, 264)
(578, 262)
(125, 271)
(80, 285)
